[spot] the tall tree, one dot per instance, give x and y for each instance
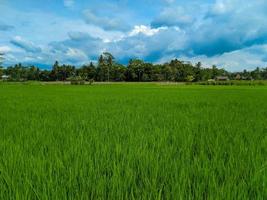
(87, 72)
(105, 63)
(109, 62)
(135, 70)
(1, 72)
(1, 58)
(55, 70)
(101, 68)
(197, 71)
(256, 74)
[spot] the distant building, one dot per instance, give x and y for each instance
(222, 78)
(5, 77)
(238, 77)
(211, 80)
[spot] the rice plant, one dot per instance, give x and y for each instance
(133, 141)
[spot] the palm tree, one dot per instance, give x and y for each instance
(109, 57)
(105, 63)
(100, 69)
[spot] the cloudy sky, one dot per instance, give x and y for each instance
(229, 33)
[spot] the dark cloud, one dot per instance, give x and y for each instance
(79, 47)
(210, 29)
(222, 27)
(149, 47)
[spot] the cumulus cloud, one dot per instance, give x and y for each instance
(142, 29)
(173, 16)
(219, 8)
(230, 26)
(79, 36)
(26, 45)
(247, 58)
(76, 55)
(106, 22)
(5, 49)
(148, 46)
(221, 27)
(222, 32)
(142, 42)
(80, 48)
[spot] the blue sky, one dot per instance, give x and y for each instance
(228, 33)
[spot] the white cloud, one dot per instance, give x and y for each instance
(247, 58)
(220, 32)
(75, 55)
(112, 22)
(148, 31)
(173, 16)
(5, 49)
(219, 7)
(24, 44)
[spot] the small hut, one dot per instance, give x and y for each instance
(222, 78)
(5, 77)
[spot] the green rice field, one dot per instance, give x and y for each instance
(133, 141)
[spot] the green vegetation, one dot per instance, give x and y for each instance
(107, 69)
(1, 68)
(133, 141)
(232, 82)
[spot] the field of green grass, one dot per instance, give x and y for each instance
(133, 141)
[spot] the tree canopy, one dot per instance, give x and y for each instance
(137, 70)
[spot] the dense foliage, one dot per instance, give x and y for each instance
(137, 70)
(132, 141)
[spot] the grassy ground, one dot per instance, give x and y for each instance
(135, 141)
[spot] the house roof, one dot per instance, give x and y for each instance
(222, 77)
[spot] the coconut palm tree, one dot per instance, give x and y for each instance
(109, 60)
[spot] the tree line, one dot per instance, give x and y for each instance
(107, 69)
